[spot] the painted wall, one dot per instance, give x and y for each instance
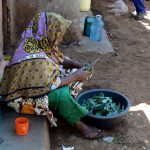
(22, 11)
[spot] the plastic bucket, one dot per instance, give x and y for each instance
(85, 5)
(21, 125)
(105, 122)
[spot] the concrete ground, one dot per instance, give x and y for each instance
(36, 139)
(86, 45)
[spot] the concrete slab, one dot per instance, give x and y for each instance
(37, 138)
(86, 45)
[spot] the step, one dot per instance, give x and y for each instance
(102, 47)
(38, 137)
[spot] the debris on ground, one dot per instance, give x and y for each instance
(108, 139)
(124, 148)
(119, 138)
(67, 148)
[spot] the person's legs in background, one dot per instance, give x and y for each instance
(140, 9)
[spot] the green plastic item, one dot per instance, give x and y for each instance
(87, 26)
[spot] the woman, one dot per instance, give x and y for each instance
(35, 79)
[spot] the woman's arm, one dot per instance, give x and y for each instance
(68, 63)
(80, 75)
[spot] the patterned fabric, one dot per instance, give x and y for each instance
(57, 26)
(36, 62)
(38, 106)
(29, 79)
(75, 87)
(30, 106)
(35, 67)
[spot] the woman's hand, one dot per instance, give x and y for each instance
(81, 74)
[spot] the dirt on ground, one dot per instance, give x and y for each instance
(127, 71)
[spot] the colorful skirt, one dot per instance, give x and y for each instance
(60, 99)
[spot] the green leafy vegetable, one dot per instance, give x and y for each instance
(101, 105)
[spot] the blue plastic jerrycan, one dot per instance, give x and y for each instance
(96, 32)
(87, 25)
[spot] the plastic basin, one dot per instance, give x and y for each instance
(105, 122)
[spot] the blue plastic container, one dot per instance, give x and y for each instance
(96, 32)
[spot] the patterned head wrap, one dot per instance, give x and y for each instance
(56, 27)
(47, 31)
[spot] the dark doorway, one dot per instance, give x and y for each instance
(6, 26)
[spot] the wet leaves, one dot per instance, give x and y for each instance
(101, 105)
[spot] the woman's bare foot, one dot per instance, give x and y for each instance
(87, 131)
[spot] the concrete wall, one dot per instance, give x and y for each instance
(1, 32)
(22, 11)
(70, 9)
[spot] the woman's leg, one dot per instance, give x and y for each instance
(62, 101)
